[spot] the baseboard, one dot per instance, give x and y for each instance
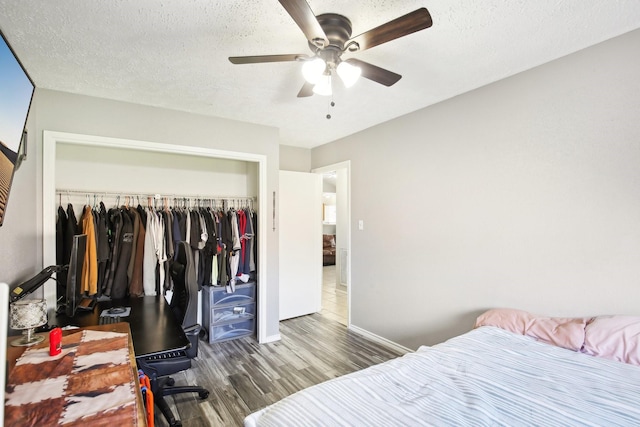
(271, 338)
(373, 337)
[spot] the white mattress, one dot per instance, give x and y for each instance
(486, 377)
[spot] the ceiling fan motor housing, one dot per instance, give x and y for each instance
(338, 29)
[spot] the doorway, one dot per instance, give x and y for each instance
(336, 253)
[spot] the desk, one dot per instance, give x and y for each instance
(154, 328)
(56, 405)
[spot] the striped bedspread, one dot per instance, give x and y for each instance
(486, 377)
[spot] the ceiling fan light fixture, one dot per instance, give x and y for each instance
(323, 86)
(348, 73)
(312, 70)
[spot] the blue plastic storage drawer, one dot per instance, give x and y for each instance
(228, 313)
(229, 331)
(245, 293)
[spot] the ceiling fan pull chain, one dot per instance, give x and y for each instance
(329, 105)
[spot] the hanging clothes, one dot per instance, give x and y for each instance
(89, 279)
(254, 247)
(143, 216)
(61, 226)
(130, 250)
(204, 237)
(167, 219)
(161, 254)
(246, 228)
(63, 252)
(115, 221)
(120, 279)
(70, 230)
(150, 257)
(177, 231)
(234, 254)
(242, 226)
(102, 245)
(226, 247)
(210, 247)
(136, 288)
(135, 220)
(72, 227)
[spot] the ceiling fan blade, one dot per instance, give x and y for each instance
(266, 58)
(306, 20)
(375, 73)
(399, 27)
(306, 90)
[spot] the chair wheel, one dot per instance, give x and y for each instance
(171, 382)
(203, 394)
(203, 335)
(177, 423)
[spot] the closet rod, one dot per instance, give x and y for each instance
(156, 196)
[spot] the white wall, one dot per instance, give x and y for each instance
(112, 170)
(524, 193)
(65, 112)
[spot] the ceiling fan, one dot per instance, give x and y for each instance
(329, 36)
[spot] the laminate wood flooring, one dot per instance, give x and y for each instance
(244, 376)
(334, 297)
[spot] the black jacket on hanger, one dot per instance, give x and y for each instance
(125, 243)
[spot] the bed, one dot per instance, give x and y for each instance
(489, 376)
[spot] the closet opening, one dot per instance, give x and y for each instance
(130, 169)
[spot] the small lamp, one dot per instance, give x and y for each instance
(312, 70)
(348, 73)
(323, 87)
(27, 314)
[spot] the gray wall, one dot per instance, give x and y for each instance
(21, 247)
(524, 193)
(295, 159)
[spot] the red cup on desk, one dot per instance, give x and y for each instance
(55, 342)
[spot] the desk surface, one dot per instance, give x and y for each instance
(154, 328)
(13, 353)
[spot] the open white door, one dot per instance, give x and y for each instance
(300, 227)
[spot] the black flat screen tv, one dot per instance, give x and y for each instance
(16, 92)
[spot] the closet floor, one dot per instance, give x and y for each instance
(244, 376)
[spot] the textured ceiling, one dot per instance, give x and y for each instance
(173, 53)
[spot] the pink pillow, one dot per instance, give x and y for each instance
(509, 319)
(562, 332)
(614, 337)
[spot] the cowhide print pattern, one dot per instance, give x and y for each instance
(91, 381)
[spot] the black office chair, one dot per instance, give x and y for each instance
(184, 304)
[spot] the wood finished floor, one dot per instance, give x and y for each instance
(244, 376)
(334, 297)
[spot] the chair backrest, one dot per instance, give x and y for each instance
(184, 302)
